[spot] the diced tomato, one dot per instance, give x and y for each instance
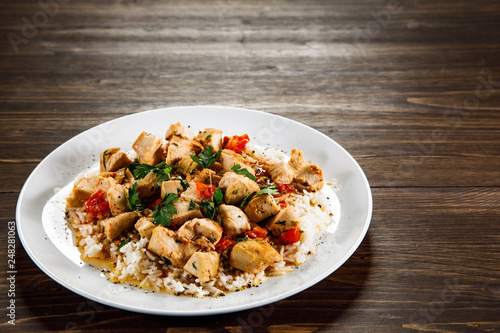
(205, 191)
(256, 231)
(236, 143)
(290, 236)
(286, 188)
(97, 206)
(156, 203)
(282, 204)
(224, 244)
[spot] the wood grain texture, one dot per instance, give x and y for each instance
(411, 88)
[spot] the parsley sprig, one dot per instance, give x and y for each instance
(165, 210)
(206, 159)
(134, 202)
(242, 171)
(271, 189)
(209, 206)
(162, 170)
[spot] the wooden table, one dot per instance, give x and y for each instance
(410, 88)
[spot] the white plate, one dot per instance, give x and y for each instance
(41, 225)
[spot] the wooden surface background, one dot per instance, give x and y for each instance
(410, 88)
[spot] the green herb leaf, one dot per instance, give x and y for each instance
(192, 205)
(242, 171)
(165, 210)
(271, 189)
(104, 156)
(208, 136)
(166, 260)
(194, 266)
(134, 202)
(218, 196)
(122, 243)
(206, 159)
(184, 185)
(209, 209)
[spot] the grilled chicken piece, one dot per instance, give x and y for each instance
(309, 178)
(285, 220)
(281, 173)
(230, 158)
(297, 160)
(201, 227)
(179, 148)
(233, 220)
(261, 207)
(210, 137)
(171, 186)
(285, 172)
(167, 245)
(190, 194)
(253, 256)
(117, 198)
(148, 186)
(145, 227)
(105, 183)
(187, 166)
(82, 191)
(148, 148)
(237, 187)
(180, 131)
(183, 212)
(114, 226)
(206, 176)
(203, 265)
(112, 160)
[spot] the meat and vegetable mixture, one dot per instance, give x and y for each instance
(197, 214)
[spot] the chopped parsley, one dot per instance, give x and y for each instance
(242, 171)
(134, 202)
(206, 159)
(271, 189)
(209, 206)
(192, 205)
(104, 156)
(162, 170)
(194, 266)
(165, 210)
(166, 260)
(122, 244)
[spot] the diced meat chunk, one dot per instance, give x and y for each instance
(233, 220)
(229, 159)
(201, 227)
(261, 207)
(179, 148)
(206, 176)
(190, 194)
(187, 166)
(171, 186)
(253, 256)
(148, 186)
(82, 191)
(117, 198)
(148, 148)
(112, 160)
(210, 137)
(114, 226)
(281, 173)
(145, 227)
(203, 265)
(285, 220)
(183, 212)
(178, 130)
(105, 183)
(237, 187)
(165, 243)
(309, 178)
(297, 160)
(285, 172)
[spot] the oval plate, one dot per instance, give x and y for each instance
(43, 233)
